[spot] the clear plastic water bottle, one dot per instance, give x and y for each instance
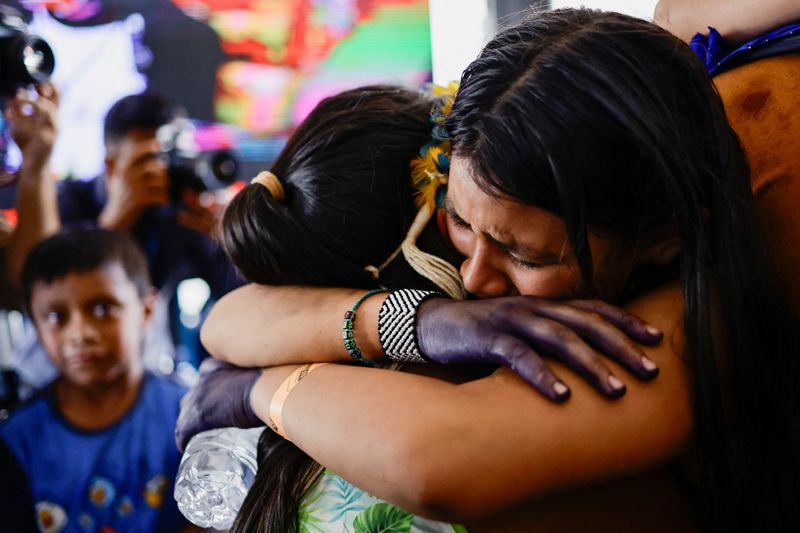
(216, 471)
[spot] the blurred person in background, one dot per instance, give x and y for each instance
(133, 196)
(94, 450)
(754, 56)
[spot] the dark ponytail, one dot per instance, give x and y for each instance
(347, 204)
(285, 473)
(348, 197)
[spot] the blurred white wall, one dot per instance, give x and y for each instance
(459, 29)
(638, 8)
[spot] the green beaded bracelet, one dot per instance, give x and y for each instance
(347, 329)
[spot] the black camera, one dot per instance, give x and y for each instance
(24, 58)
(191, 168)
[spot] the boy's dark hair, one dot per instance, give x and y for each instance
(145, 111)
(83, 250)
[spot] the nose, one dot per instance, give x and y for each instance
(80, 330)
(481, 274)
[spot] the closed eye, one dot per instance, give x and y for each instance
(529, 265)
(512, 251)
(457, 220)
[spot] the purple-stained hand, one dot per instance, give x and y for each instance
(517, 331)
(221, 398)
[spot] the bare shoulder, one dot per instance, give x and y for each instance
(588, 438)
(664, 303)
(663, 308)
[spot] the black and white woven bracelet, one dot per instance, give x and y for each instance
(397, 325)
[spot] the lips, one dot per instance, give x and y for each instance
(83, 359)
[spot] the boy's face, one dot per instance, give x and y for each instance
(91, 324)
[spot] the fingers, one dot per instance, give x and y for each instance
(146, 185)
(46, 103)
(632, 325)
(33, 121)
(48, 91)
(565, 344)
(603, 334)
(210, 364)
(187, 415)
(19, 108)
(527, 364)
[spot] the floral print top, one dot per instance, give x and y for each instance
(333, 504)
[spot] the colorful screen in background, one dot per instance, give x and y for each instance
(286, 56)
(248, 70)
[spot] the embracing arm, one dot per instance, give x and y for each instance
(262, 325)
(736, 20)
(463, 452)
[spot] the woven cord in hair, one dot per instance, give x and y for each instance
(436, 269)
(429, 173)
(440, 272)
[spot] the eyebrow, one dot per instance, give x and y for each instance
(144, 157)
(451, 211)
(102, 299)
(513, 247)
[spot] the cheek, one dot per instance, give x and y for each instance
(123, 332)
(130, 330)
(550, 282)
(50, 338)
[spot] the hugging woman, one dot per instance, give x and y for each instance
(591, 157)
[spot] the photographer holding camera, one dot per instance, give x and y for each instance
(136, 194)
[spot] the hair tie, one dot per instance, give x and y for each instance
(271, 182)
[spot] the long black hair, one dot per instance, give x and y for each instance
(348, 195)
(348, 203)
(613, 124)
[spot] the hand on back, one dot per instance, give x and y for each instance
(518, 331)
(221, 398)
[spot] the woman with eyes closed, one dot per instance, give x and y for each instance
(281, 231)
(591, 157)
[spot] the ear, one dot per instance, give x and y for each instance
(662, 249)
(109, 162)
(149, 304)
(441, 222)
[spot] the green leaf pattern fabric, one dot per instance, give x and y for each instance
(334, 505)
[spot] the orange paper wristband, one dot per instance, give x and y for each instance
(280, 395)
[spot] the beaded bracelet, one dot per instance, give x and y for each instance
(347, 329)
(397, 325)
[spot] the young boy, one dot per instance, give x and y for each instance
(96, 448)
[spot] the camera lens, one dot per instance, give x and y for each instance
(24, 59)
(224, 166)
(36, 60)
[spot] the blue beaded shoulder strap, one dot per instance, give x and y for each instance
(719, 55)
